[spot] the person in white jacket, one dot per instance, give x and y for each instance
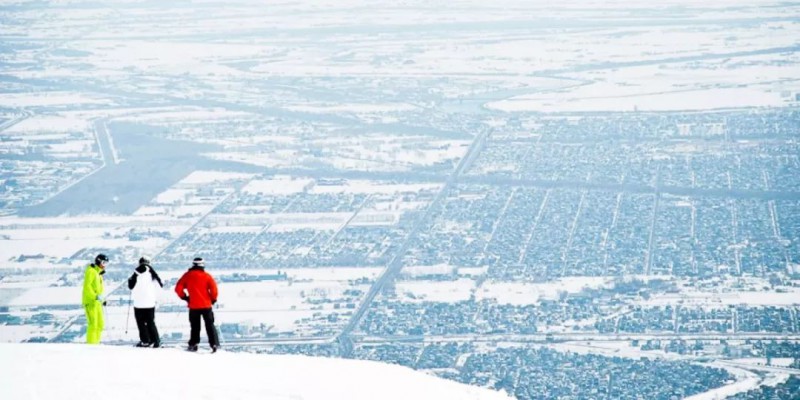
(145, 285)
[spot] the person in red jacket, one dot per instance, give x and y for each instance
(198, 288)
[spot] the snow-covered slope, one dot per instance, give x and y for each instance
(74, 371)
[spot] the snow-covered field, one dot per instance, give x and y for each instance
(447, 291)
(530, 293)
(130, 373)
(48, 99)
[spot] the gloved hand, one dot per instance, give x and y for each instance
(132, 281)
(213, 301)
(185, 298)
(104, 302)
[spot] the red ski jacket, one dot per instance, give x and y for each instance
(200, 286)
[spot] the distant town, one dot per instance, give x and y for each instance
(447, 204)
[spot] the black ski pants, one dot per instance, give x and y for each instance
(146, 322)
(194, 321)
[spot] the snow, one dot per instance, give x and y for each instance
(275, 295)
(279, 185)
(171, 196)
(289, 222)
(745, 381)
(780, 362)
(472, 271)
(48, 123)
(176, 374)
(755, 298)
(701, 85)
(775, 380)
(334, 274)
(531, 293)
(447, 291)
(278, 158)
(184, 117)
(234, 229)
(58, 243)
(353, 108)
(361, 186)
(47, 99)
(420, 270)
(50, 296)
(28, 281)
(17, 333)
(700, 99)
(371, 218)
(204, 177)
(59, 239)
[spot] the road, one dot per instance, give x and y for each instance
(397, 262)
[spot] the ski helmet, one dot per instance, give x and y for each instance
(100, 258)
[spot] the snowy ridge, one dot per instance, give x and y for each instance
(74, 371)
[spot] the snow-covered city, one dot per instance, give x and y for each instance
(506, 199)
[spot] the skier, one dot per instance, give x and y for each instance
(145, 284)
(93, 298)
(199, 290)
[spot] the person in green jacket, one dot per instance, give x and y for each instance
(94, 298)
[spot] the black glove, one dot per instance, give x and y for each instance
(214, 301)
(105, 302)
(185, 298)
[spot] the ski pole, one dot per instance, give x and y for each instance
(128, 318)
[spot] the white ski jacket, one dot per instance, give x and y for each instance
(145, 292)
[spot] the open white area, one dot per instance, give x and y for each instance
(738, 82)
(231, 376)
(20, 225)
(172, 196)
(354, 108)
(372, 218)
(51, 243)
(270, 159)
(204, 177)
(287, 222)
(421, 270)
(48, 123)
(778, 361)
(378, 152)
(744, 379)
(699, 99)
(27, 281)
(18, 333)
(333, 274)
(531, 293)
(445, 291)
(275, 295)
(254, 229)
(788, 297)
(48, 244)
(43, 296)
(741, 385)
(277, 186)
(39, 99)
(160, 117)
(362, 186)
